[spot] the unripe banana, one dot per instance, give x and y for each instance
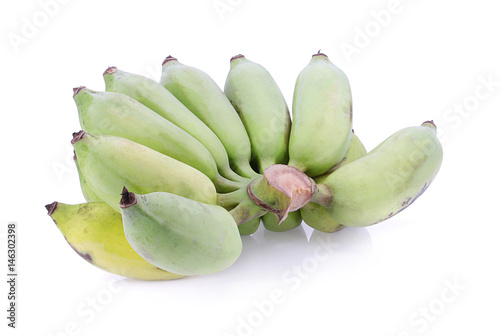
(355, 151)
(95, 232)
(116, 114)
(109, 163)
(88, 194)
(161, 101)
(384, 182)
(180, 235)
(292, 221)
(322, 117)
(249, 227)
(315, 215)
(261, 106)
(199, 93)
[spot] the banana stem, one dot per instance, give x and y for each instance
(228, 173)
(232, 199)
(224, 185)
(323, 195)
(244, 169)
(282, 189)
(246, 211)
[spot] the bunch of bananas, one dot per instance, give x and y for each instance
(175, 172)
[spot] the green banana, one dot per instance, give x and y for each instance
(180, 235)
(355, 151)
(249, 227)
(109, 163)
(95, 232)
(160, 100)
(199, 93)
(385, 181)
(119, 115)
(315, 215)
(261, 106)
(322, 117)
(88, 194)
(292, 221)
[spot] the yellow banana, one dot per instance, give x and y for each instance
(95, 232)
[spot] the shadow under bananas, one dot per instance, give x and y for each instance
(274, 254)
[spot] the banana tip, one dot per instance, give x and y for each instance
(319, 53)
(429, 123)
(237, 56)
(77, 90)
(128, 199)
(51, 208)
(110, 70)
(168, 59)
(77, 136)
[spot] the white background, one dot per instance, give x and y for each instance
(427, 60)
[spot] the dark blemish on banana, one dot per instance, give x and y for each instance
(85, 256)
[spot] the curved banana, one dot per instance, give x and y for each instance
(315, 215)
(109, 163)
(322, 117)
(261, 106)
(160, 100)
(116, 114)
(200, 94)
(384, 182)
(95, 232)
(88, 194)
(292, 221)
(180, 235)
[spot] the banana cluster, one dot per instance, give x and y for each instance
(175, 172)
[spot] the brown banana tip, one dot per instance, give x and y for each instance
(430, 122)
(128, 199)
(77, 136)
(237, 56)
(168, 59)
(51, 208)
(110, 70)
(77, 89)
(319, 53)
